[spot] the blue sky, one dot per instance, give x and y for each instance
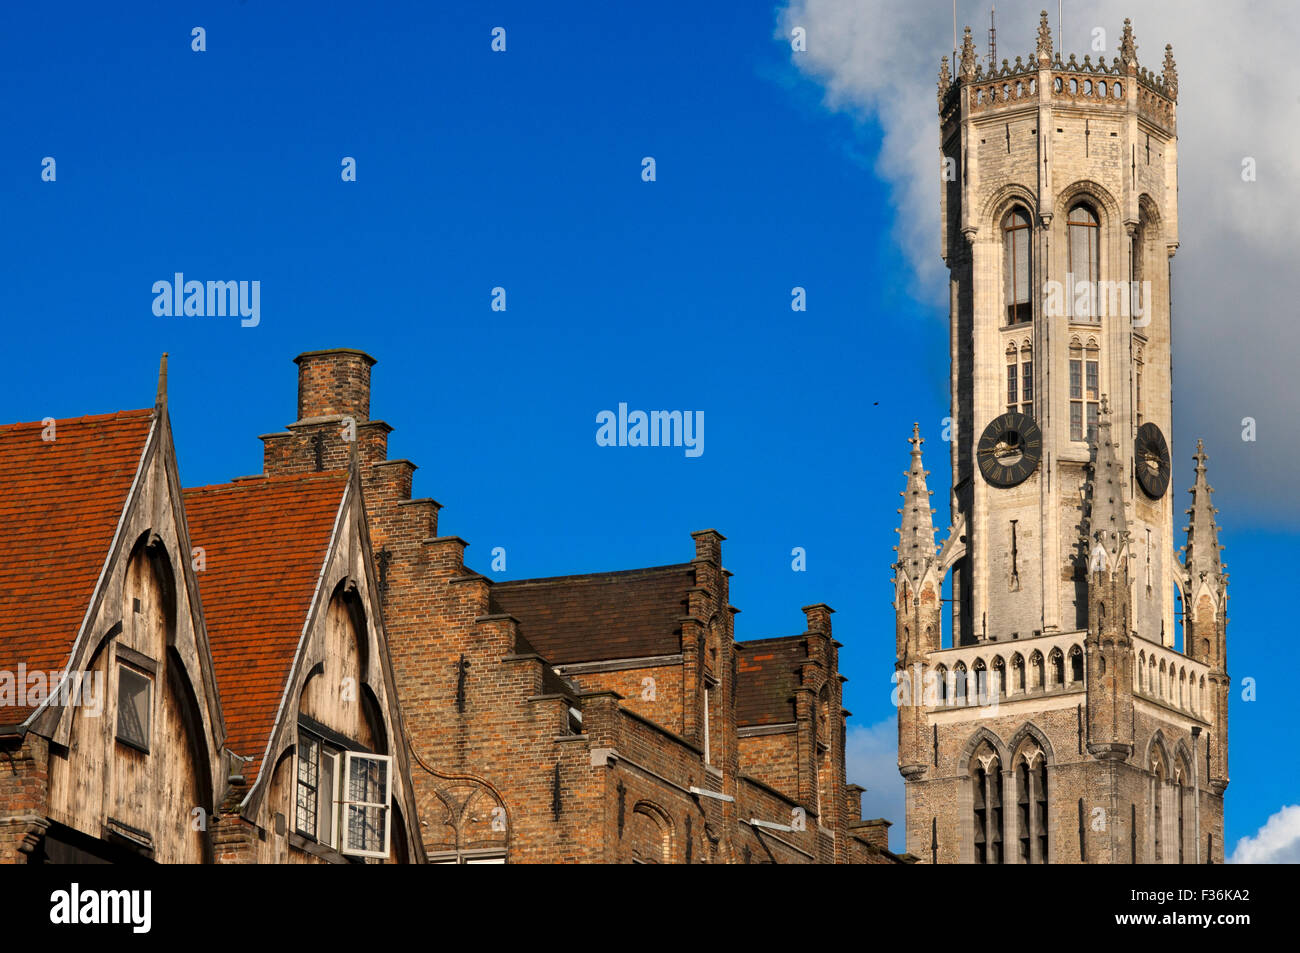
(521, 170)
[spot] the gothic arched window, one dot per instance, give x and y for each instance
(986, 784)
(1157, 793)
(1182, 835)
(1085, 255)
(1031, 804)
(1058, 668)
(1076, 664)
(1016, 265)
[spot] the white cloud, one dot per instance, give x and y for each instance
(1277, 842)
(1236, 327)
(871, 760)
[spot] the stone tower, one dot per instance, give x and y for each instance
(1072, 711)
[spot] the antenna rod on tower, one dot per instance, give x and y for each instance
(1060, 13)
(954, 35)
(993, 39)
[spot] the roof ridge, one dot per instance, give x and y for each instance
(87, 418)
(645, 570)
(262, 480)
(771, 638)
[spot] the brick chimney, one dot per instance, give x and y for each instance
(334, 383)
(333, 414)
(333, 417)
(818, 618)
(874, 831)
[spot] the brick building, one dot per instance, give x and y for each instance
(1062, 720)
(296, 667)
(594, 718)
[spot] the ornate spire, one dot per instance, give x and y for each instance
(1127, 48)
(1171, 72)
(916, 549)
(945, 79)
(1107, 526)
(967, 56)
(1202, 549)
(1044, 38)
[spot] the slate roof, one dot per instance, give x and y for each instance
(600, 616)
(265, 540)
(767, 675)
(60, 504)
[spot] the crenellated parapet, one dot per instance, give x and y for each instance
(1045, 77)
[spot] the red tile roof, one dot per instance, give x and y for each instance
(611, 615)
(60, 504)
(264, 543)
(768, 674)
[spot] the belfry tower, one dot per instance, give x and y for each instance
(1075, 710)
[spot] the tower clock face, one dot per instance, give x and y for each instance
(1009, 449)
(1151, 461)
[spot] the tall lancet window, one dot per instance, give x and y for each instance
(1031, 806)
(1085, 256)
(1016, 262)
(986, 782)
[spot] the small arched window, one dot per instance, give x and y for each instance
(1085, 256)
(1076, 664)
(1016, 262)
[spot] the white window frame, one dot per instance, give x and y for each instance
(345, 803)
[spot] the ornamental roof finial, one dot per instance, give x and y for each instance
(967, 56)
(916, 533)
(1171, 72)
(1202, 558)
(1127, 48)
